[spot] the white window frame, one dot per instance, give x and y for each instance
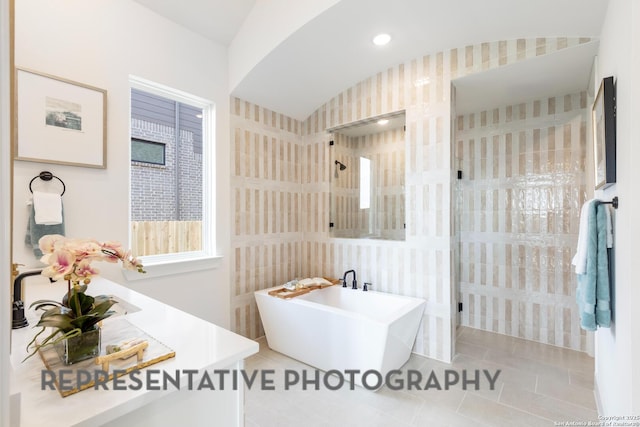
(182, 262)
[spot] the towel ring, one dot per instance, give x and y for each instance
(47, 176)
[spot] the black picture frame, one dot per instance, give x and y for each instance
(604, 134)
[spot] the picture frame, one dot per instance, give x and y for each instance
(604, 134)
(59, 121)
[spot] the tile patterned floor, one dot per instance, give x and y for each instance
(538, 385)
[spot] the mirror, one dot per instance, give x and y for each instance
(367, 178)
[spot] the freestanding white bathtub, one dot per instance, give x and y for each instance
(338, 328)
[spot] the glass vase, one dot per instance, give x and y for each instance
(78, 348)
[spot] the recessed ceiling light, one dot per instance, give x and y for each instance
(383, 122)
(381, 39)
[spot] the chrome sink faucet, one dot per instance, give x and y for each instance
(354, 284)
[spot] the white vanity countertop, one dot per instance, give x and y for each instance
(199, 345)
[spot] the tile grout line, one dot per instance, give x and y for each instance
(416, 413)
(515, 408)
(461, 401)
(500, 393)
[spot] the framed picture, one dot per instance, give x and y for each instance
(604, 134)
(60, 121)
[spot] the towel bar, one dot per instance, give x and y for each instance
(47, 176)
(613, 202)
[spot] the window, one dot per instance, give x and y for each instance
(147, 151)
(365, 183)
(172, 185)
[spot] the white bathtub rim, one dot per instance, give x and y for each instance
(409, 297)
(412, 304)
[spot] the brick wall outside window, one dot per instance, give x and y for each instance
(154, 193)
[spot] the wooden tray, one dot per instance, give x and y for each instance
(286, 294)
(113, 331)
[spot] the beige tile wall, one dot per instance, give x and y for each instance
(519, 204)
(263, 176)
(266, 202)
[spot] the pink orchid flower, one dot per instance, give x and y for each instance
(84, 269)
(84, 249)
(48, 243)
(112, 251)
(70, 259)
(61, 262)
(130, 262)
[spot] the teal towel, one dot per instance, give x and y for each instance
(36, 231)
(593, 295)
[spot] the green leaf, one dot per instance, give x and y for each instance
(74, 289)
(44, 302)
(58, 321)
(56, 310)
(70, 318)
(87, 323)
(99, 299)
(49, 340)
(98, 312)
(32, 342)
(102, 307)
(80, 302)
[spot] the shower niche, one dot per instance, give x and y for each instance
(367, 178)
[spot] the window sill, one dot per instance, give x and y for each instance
(166, 266)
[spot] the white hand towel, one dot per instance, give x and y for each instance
(48, 208)
(321, 281)
(580, 258)
(318, 281)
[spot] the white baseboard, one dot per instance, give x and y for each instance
(596, 393)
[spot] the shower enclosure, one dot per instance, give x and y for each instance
(517, 210)
(367, 183)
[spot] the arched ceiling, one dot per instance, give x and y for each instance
(333, 51)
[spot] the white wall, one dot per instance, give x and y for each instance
(635, 111)
(5, 258)
(618, 380)
(100, 43)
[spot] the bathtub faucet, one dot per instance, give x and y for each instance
(354, 284)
